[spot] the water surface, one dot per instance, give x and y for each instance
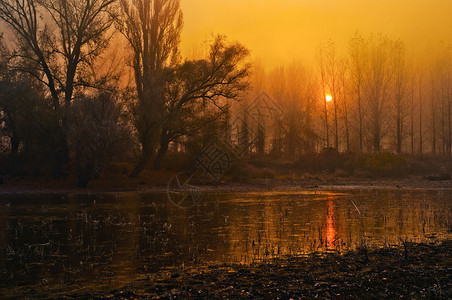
(69, 241)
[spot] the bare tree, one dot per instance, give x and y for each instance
(435, 70)
(378, 77)
(78, 37)
(324, 86)
(344, 80)
(445, 87)
(439, 89)
(420, 99)
(55, 40)
(357, 49)
(414, 78)
(333, 84)
(448, 98)
(400, 91)
(293, 89)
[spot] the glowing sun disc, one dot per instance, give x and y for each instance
(329, 98)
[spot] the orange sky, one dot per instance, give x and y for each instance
(282, 31)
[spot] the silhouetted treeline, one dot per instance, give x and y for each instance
(380, 100)
(59, 104)
(73, 100)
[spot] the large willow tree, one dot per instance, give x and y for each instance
(168, 91)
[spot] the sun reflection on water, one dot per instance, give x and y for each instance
(331, 232)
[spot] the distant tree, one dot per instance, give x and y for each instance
(420, 93)
(445, 61)
(322, 64)
(166, 89)
(328, 65)
(333, 84)
(432, 103)
(357, 53)
(344, 82)
(293, 89)
(277, 86)
(438, 74)
(413, 76)
(258, 79)
(400, 79)
(448, 106)
(377, 83)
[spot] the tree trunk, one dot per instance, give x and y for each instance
(360, 119)
(15, 142)
(420, 120)
(140, 166)
(399, 131)
(433, 128)
(449, 143)
(336, 140)
(61, 151)
(412, 120)
(326, 122)
(146, 154)
(164, 142)
(347, 132)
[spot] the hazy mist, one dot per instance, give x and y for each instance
(280, 32)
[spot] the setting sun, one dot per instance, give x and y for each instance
(328, 98)
(282, 31)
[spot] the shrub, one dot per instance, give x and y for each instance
(381, 163)
(329, 160)
(371, 164)
(96, 134)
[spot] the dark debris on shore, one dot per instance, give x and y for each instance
(423, 271)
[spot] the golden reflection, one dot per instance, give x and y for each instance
(331, 231)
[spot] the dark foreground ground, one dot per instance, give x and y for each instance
(424, 271)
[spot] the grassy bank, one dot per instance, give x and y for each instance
(328, 168)
(157, 181)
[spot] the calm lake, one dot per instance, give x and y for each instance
(64, 242)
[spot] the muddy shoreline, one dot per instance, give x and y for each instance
(39, 186)
(410, 271)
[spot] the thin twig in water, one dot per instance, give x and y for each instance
(357, 209)
(363, 238)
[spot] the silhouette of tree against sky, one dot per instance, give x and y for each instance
(164, 85)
